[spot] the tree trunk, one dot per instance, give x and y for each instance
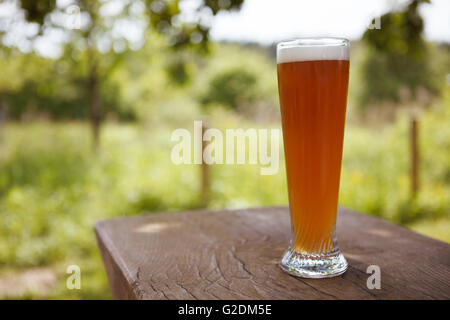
(95, 103)
(414, 156)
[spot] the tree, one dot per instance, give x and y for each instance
(231, 87)
(99, 31)
(397, 57)
(397, 68)
(9, 81)
(12, 65)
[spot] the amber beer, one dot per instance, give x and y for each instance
(312, 82)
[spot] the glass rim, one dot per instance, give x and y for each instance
(314, 42)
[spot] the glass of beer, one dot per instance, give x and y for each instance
(312, 83)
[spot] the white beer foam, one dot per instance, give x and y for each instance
(310, 50)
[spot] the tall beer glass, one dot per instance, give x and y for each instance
(312, 84)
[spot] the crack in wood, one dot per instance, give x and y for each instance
(318, 290)
(241, 262)
(157, 290)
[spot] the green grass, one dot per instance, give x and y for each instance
(436, 228)
(53, 187)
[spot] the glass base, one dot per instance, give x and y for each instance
(314, 266)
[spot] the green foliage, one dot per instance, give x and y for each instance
(36, 87)
(241, 79)
(164, 18)
(35, 11)
(230, 88)
(397, 58)
(376, 170)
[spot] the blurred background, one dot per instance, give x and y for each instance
(90, 92)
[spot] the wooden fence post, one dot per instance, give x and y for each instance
(414, 156)
(205, 196)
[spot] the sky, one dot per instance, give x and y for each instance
(268, 21)
(261, 21)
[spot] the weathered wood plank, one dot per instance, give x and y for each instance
(235, 255)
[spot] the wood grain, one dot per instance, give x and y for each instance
(235, 255)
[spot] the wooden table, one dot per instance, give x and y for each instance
(235, 255)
